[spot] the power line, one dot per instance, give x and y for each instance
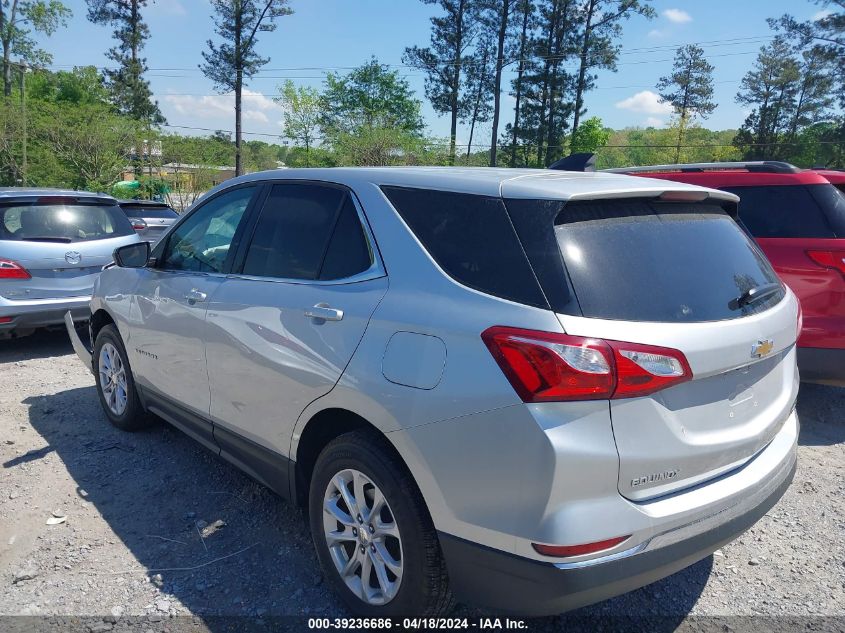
(623, 52)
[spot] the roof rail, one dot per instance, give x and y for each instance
(760, 166)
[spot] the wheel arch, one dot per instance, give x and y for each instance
(323, 427)
(99, 319)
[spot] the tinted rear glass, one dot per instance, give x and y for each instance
(39, 222)
(137, 211)
(640, 260)
(472, 239)
(293, 231)
(791, 211)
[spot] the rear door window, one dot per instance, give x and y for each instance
(807, 211)
(308, 232)
(62, 222)
(643, 260)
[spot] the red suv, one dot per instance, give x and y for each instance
(798, 219)
(836, 177)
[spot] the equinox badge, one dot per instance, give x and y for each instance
(762, 348)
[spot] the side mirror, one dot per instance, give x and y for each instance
(132, 255)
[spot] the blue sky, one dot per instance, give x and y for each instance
(325, 35)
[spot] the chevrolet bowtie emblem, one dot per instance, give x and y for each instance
(762, 348)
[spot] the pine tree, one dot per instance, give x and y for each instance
(445, 60)
(688, 88)
(526, 22)
(479, 85)
(234, 60)
(769, 88)
(130, 92)
(602, 25)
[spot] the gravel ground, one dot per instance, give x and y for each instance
(157, 526)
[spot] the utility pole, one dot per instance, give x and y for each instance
(22, 66)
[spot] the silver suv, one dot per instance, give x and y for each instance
(525, 389)
(53, 244)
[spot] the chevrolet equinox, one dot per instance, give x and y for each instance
(523, 389)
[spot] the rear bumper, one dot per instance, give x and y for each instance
(822, 365)
(515, 584)
(36, 313)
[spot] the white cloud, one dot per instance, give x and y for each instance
(645, 101)
(656, 34)
(654, 121)
(256, 106)
(677, 16)
(820, 15)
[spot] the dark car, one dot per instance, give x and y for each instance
(149, 218)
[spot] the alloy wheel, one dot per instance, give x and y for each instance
(113, 379)
(363, 537)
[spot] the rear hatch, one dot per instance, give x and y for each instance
(61, 243)
(670, 274)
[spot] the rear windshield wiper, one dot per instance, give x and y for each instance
(753, 295)
(47, 238)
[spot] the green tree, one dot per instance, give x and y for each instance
(602, 27)
(590, 136)
(235, 59)
(498, 26)
(513, 132)
(444, 60)
(370, 96)
(769, 90)
(303, 109)
(479, 85)
(370, 117)
(82, 85)
(90, 140)
(130, 92)
(688, 88)
(18, 19)
(824, 36)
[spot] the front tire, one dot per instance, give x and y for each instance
(374, 537)
(115, 384)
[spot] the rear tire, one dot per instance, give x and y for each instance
(389, 537)
(115, 384)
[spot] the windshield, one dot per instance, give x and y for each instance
(76, 222)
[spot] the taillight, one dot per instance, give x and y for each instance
(138, 224)
(544, 366)
(12, 270)
(829, 259)
(644, 369)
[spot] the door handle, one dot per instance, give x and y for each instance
(196, 296)
(323, 312)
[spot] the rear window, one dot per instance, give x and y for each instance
(138, 211)
(644, 260)
(809, 211)
(472, 239)
(72, 222)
